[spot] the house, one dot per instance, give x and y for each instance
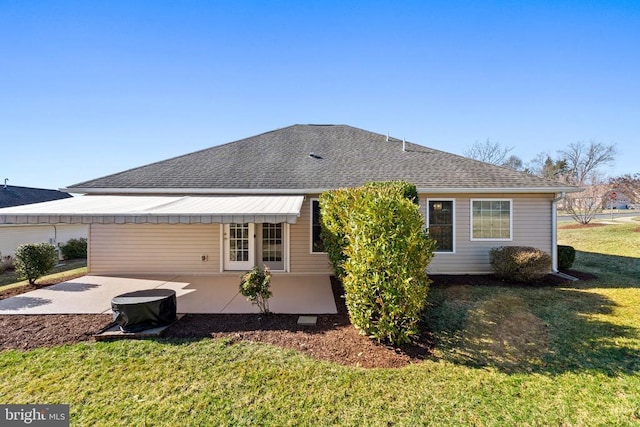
(255, 201)
(11, 236)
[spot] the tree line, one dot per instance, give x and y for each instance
(580, 164)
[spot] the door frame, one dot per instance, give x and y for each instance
(227, 264)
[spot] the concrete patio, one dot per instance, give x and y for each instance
(294, 294)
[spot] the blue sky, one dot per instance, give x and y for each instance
(93, 88)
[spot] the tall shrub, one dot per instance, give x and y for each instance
(377, 237)
(336, 207)
(34, 260)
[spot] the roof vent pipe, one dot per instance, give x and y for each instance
(404, 144)
(5, 182)
(387, 136)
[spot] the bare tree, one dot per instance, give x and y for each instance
(494, 153)
(584, 206)
(629, 185)
(514, 162)
(544, 166)
(583, 163)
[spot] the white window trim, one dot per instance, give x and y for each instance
(311, 251)
(285, 248)
(478, 239)
(453, 218)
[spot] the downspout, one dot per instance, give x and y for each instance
(554, 232)
(55, 240)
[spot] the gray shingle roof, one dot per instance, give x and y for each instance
(18, 196)
(344, 156)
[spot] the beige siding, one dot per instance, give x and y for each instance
(11, 236)
(531, 226)
(154, 248)
(302, 260)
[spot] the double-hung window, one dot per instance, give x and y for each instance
(440, 217)
(491, 219)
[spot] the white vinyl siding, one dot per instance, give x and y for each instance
(154, 248)
(531, 226)
(11, 236)
(302, 259)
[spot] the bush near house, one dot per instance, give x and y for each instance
(566, 256)
(520, 263)
(377, 244)
(34, 260)
(335, 206)
(75, 249)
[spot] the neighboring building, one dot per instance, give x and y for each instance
(11, 236)
(254, 201)
(10, 195)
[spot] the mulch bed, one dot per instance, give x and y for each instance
(579, 226)
(333, 338)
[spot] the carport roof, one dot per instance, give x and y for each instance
(157, 210)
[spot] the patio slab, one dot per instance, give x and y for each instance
(292, 293)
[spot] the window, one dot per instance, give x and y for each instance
(316, 228)
(272, 242)
(440, 223)
(491, 219)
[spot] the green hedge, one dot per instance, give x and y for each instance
(75, 249)
(566, 257)
(376, 241)
(520, 263)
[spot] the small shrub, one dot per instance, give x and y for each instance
(34, 260)
(2, 267)
(255, 285)
(566, 257)
(520, 263)
(75, 249)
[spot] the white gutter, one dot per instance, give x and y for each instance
(299, 191)
(554, 232)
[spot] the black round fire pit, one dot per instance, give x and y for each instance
(145, 309)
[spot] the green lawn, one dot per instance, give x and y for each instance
(508, 355)
(9, 279)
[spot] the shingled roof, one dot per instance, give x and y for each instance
(315, 157)
(11, 195)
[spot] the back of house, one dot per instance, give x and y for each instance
(255, 201)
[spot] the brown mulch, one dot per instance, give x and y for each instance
(26, 332)
(578, 226)
(333, 338)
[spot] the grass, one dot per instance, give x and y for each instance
(9, 279)
(507, 355)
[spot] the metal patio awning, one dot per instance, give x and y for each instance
(157, 210)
